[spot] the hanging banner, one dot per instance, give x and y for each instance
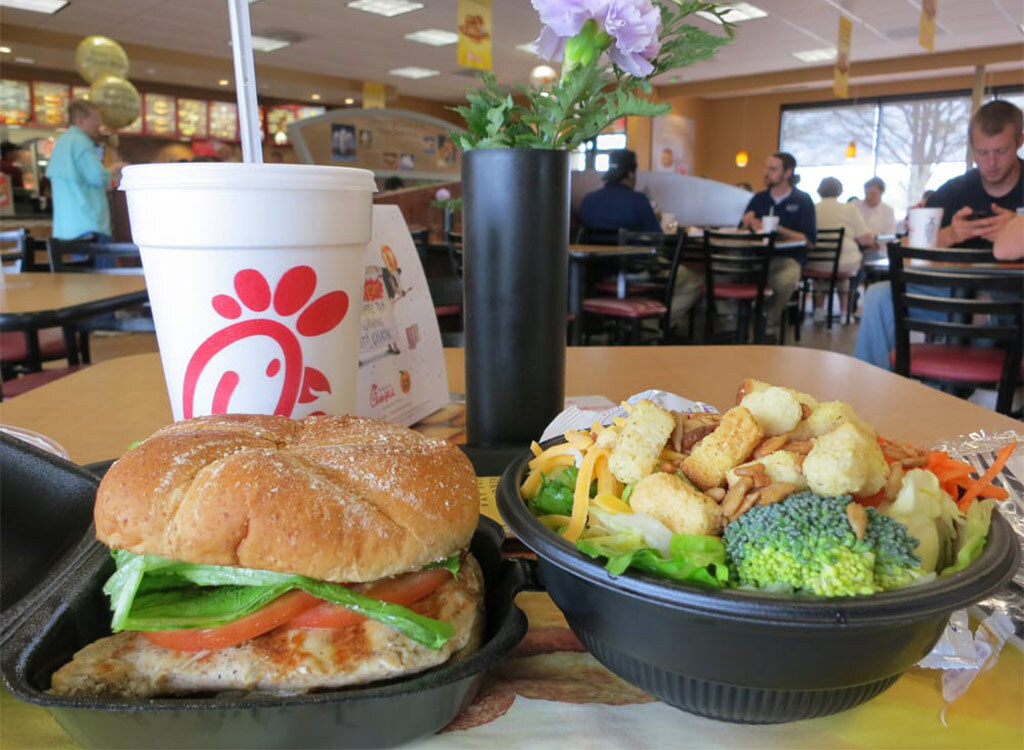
(474, 27)
(926, 33)
(374, 95)
(841, 77)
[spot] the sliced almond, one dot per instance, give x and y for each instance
(858, 518)
(799, 446)
(748, 502)
(770, 445)
(805, 410)
(677, 433)
(735, 495)
(750, 470)
(914, 462)
(894, 482)
(694, 436)
(776, 491)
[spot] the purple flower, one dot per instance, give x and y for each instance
(631, 27)
(442, 194)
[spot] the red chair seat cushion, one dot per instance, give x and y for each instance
(631, 307)
(14, 345)
(22, 384)
(445, 310)
(739, 291)
(968, 364)
(635, 287)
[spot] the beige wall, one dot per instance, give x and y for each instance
(725, 125)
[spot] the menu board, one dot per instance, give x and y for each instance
(14, 102)
(224, 121)
(192, 118)
(50, 105)
(301, 113)
(160, 114)
(80, 92)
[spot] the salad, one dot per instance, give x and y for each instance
(781, 493)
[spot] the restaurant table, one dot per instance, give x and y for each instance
(579, 257)
(550, 693)
(30, 301)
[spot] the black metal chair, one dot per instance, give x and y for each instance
(454, 242)
(22, 253)
(421, 239)
(652, 302)
(447, 296)
(85, 256)
(958, 294)
(736, 270)
(827, 248)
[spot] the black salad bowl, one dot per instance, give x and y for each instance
(744, 656)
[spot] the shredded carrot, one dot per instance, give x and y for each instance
(985, 480)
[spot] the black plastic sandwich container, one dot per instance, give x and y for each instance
(68, 610)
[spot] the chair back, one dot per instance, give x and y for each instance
(22, 251)
(731, 258)
(455, 250)
(446, 292)
(81, 256)
(953, 290)
(827, 248)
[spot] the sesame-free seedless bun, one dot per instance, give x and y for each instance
(341, 499)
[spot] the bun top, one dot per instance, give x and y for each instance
(341, 499)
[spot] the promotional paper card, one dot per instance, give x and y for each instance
(402, 376)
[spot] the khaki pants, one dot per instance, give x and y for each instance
(687, 291)
(783, 278)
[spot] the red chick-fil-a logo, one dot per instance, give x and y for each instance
(381, 394)
(290, 297)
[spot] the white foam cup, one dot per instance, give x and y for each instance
(769, 223)
(923, 226)
(255, 277)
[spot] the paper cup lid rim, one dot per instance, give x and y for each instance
(246, 176)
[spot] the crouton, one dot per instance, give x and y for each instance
(753, 385)
(780, 466)
(640, 442)
(845, 462)
(775, 409)
(728, 446)
(677, 504)
(829, 415)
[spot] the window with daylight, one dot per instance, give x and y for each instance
(913, 143)
(593, 154)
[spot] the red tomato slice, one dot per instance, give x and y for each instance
(403, 590)
(278, 612)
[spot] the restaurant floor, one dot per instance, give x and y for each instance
(813, 335)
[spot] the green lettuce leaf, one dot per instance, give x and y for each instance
(694, 558)
(149, 592)
(973, 535)
(451, 564)
(556, 494)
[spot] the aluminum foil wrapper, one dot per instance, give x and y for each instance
(980, 448)
(575, 418)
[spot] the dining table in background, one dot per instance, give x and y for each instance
(550, 693)
(580, 256)
(31, 301)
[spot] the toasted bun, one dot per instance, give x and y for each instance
(339, 499)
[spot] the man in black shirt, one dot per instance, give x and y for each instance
(977, 206)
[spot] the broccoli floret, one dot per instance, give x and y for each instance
(806, 542)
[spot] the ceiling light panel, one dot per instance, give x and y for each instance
(433, 37)
(268, 44)
(825, 54)
(735, 12)
(411, 71)
(36, 6)
(386, 8)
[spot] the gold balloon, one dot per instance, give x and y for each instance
(118, 101)
(98, 56)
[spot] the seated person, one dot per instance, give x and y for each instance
(795, 210)
(831, 214)
(995, 187)
(878, 216)
(618, 205)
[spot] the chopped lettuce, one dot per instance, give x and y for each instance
(692, 558)
(556, 494)
(930, 516)
(973, 535)
(148, 592)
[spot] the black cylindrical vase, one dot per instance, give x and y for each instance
(515, 225)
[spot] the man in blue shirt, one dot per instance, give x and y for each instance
(795, 210)
(618, 205)
(78, 178)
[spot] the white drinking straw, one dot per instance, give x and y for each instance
(245, 81)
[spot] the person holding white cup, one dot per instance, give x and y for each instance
(789, 212)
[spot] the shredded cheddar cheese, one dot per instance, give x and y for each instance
(610, 503)
(535, 447)
(581, 496)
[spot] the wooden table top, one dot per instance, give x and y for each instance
(97, 412)
(26, 293)
(612, 250)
